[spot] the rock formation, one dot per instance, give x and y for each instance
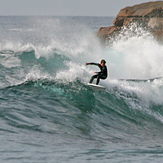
(149, 15)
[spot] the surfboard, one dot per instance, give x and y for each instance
(96, 87)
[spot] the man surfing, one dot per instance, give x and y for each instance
(100, 75)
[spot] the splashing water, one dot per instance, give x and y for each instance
(45, 100)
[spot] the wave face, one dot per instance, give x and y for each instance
(48, 113)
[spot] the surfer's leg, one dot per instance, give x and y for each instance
(98, 80)
(100, 77)
(92, 78)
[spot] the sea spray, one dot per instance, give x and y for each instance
(136, 54)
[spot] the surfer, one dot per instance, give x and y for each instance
(100, 75)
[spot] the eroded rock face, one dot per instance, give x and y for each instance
(150, 9)
(156, 23)
(150, 15)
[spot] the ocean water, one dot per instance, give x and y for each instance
(49, 114)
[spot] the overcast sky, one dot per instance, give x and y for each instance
(65, 7)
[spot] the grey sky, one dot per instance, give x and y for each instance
(65, 7)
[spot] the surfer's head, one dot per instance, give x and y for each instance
(103, 62)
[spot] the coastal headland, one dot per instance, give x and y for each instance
(148, 15)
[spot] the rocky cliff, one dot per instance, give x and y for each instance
(149, 15)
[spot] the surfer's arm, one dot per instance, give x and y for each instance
(92, 63)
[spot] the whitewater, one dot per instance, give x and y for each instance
(47, 111)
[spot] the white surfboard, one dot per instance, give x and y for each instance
(96, 87)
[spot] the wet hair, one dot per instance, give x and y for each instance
(103, 61)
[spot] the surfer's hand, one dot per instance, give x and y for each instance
(95, 72)
(86, 63)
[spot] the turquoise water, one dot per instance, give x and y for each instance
(49, 114)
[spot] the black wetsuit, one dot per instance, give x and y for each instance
(100, 75)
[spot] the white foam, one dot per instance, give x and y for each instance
(10, 61)
(138, 56)
(36, 73)
(73, 72)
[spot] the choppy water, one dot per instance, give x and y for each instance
(49, 114)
